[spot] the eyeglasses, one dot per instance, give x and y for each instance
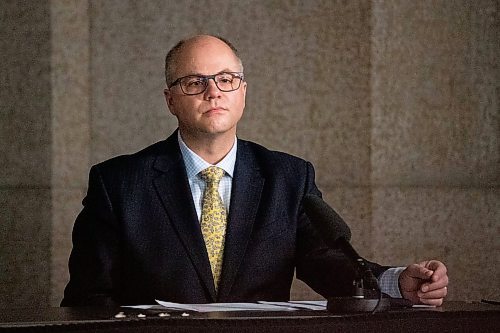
(196, 84)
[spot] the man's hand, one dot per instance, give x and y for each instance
(424, 283)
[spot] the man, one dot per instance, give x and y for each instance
(164, 223)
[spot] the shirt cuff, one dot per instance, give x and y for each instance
(389, 282)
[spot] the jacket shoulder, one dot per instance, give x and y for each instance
(139, 159)
(274, 158)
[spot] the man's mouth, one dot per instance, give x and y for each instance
(215, 109)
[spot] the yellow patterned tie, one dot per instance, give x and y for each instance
(213, 220)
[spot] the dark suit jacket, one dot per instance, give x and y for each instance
(138, 237)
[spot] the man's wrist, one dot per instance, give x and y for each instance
(389, 282)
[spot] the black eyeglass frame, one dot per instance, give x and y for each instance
(205, 78)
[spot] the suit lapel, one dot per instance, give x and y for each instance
(173, 189)
(245, 198)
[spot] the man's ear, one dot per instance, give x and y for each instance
(169, 100)
(244, 91)
(168, 96)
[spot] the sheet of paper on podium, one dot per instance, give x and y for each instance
(300, 305)
(228, 307)
(225, 307)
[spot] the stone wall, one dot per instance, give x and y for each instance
(394, 102)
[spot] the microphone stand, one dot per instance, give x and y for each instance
(366, 295)
(336, 235)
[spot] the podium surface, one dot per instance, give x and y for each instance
(451, 317)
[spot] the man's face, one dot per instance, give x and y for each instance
(213, 111)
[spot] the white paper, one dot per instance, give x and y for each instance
(300, 305)
(144, 307)
(214, 307)
(311, 305)
(422, 306)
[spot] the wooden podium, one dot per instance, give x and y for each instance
(451, 317)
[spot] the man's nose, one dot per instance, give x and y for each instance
(212, 90)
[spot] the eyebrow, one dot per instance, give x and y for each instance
(226, 70)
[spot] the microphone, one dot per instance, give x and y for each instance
(331, 226)
(336, 234)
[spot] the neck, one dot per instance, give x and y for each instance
(211, 147)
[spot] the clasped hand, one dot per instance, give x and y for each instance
(424, 283)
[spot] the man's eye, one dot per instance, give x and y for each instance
(194, 83)
(225, 79)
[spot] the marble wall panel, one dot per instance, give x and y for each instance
(128, 42)
(70, 60)
(25, 247)
(25, 150)
(308, 76)
(25, 94)
(458, 226)
(435, 74)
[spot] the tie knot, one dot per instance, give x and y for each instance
(212, 174)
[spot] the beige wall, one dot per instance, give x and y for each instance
(394, 102)
(25, 154)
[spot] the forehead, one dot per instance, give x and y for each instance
(205, 56)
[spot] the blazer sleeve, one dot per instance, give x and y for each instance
(94, 257)
(327, 271)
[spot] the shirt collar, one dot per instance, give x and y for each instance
(194, 163)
